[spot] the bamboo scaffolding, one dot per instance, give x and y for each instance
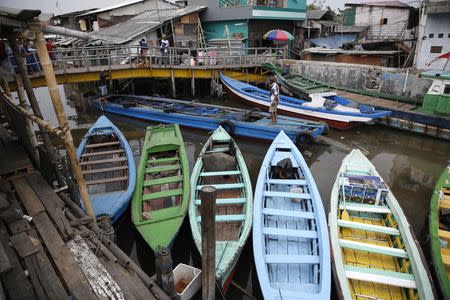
(50, 78)
(23, 103)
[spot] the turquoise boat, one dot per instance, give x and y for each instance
(233, 203)
(290, 235)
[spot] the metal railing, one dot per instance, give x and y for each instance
(246, 3)
(109, 57)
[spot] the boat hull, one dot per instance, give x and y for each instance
(261, 129)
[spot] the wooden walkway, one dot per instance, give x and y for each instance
(375, 101)
(48, 250)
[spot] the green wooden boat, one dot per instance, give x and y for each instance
(440, 233)
(221, 164)
(161, 196)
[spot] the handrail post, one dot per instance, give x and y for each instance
(208, 214)
(62, 118)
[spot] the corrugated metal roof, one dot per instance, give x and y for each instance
(126, 31)
(317, 50)
(315, 14)
(111, 7)
(350, 29)
(334, 42)
(381, 3)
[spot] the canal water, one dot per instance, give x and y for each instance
(410, 164)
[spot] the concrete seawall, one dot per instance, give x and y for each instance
(373, 78)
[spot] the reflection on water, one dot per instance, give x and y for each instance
(410, 164)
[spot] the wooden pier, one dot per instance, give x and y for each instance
(49, 250)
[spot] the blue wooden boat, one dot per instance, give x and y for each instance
(290, 236)
(107, 163)
(336, 111)
(235, 121)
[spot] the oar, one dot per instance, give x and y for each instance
(345, 215)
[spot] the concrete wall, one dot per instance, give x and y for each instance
(397, 20)
(373, 78)
(434, 24)
(215, 30)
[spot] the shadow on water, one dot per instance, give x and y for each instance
(410, 164)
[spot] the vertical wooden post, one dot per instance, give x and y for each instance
(34, 104)
(193, 82)
(50, 78)
(172, 83)
(164, 272)
(208, 212)
(23, 103)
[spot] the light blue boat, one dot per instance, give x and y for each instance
(290, 236)
(107, 163)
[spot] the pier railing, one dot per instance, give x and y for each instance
(108, 57)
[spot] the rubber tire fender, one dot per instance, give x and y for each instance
(228, 126)
(303, 138)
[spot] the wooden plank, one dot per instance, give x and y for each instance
(102, 144)
(106, 180)
(404, 280)
(445, 253)
(163, 160)
(24, 245)
(291, 259)
(63, 259)
(443, 203)
(102, 161)
(15, 280)
(19, 226)
(224, 186)
(368, 227)
(104, 170)
(287, 195)
(5, 264)
(225, 201)
(162, 194)
(227, 218)
(42, 273)
(28, 196)
(380, 209)
(51, 202)
(164, 180)
(373, 248)
(308, 234)
(287, 181)
(288, 213)
(162, 168)
(221, 173)
(89, 154)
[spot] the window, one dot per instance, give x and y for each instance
(436, 49)
(440, 35)
(431, 35)
(447, 89)
(383, 21)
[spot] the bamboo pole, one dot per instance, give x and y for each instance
(21, 94)
(34, 105)
(208, 212)
(42, 123)
(50, 78)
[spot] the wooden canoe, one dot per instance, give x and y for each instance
(440, 232)
(234, 202)
(375, 253)
(107, 163)
(290, 235)
(161, 197)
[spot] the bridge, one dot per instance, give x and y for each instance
(84, 64)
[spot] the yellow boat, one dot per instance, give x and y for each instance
(375, 253)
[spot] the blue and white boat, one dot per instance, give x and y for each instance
(107, 163)
(336, 111)
(290, 236)
(237, 122)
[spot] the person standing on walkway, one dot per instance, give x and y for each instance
(103, 84)
(274, 98)
(164, 49)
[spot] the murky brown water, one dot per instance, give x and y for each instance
(409, 163)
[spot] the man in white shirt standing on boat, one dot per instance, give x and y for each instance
(274, 98)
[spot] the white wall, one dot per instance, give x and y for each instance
(397, 20)
(436, 24)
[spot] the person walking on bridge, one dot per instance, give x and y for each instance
(164, 49)
(103, 84)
